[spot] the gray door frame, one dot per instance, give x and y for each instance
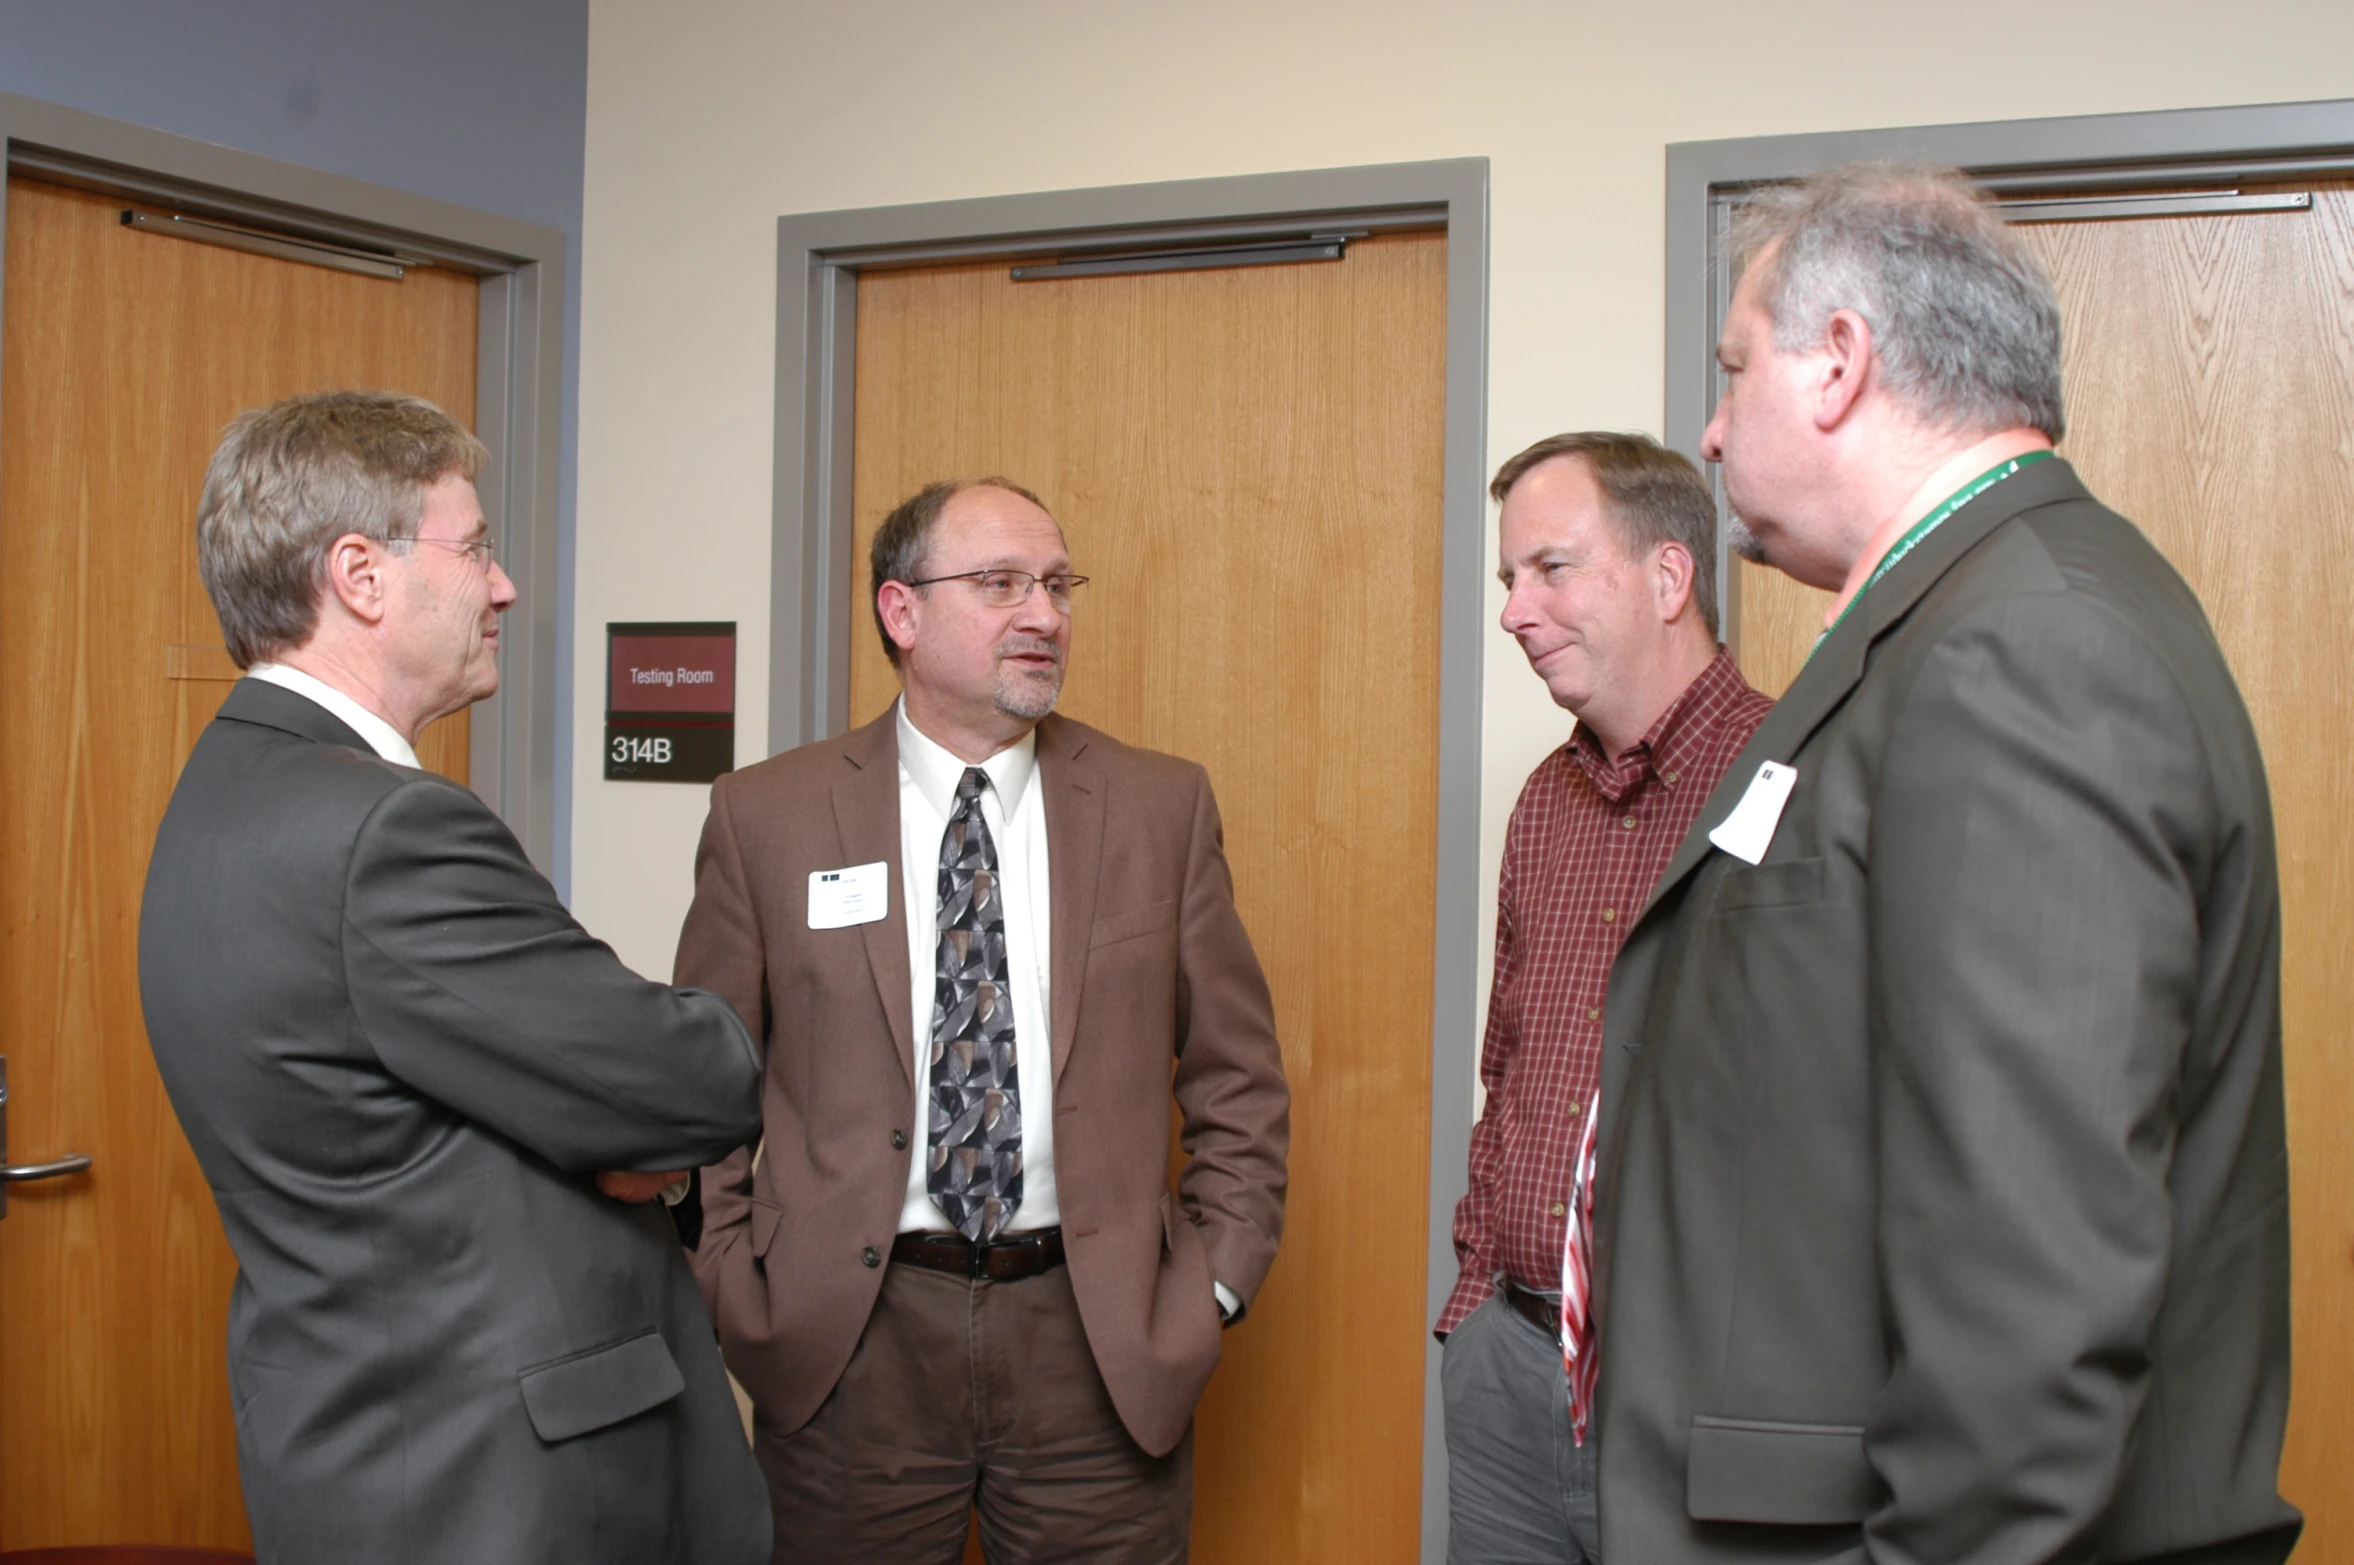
(819, 256)
(2094, 152)
(518, 374)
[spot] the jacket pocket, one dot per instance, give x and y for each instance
(1759, 1470)
(1792, 883)
(1149, 919)
(767, 1218)
(588, 1390)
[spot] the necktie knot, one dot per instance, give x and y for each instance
(969, 787)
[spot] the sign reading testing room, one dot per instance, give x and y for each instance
(670, 701)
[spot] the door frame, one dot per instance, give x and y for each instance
(819, 257)
(518, 374)
(2097, 152)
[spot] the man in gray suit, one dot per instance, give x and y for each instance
(1943, 1204)
(402, 1064)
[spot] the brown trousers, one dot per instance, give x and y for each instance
(965, 1396)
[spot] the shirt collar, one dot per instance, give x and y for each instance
(380, 735)
(936, 772)
(1671, 744)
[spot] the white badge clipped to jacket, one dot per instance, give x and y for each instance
(839, 898)
(1749, 830)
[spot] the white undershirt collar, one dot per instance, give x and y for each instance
(936, 770)
(380, 735)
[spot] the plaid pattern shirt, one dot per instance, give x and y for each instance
(1587, 842)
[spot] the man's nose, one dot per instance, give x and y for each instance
(1038, 614)
(1515, 617)
(502, 588)
(1712, 439)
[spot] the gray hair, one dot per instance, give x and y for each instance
(904, 542)
(289, 479)
(1964, 320)
(1652, 496)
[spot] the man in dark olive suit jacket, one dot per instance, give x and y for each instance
(1943, 1208)
(402, 1065)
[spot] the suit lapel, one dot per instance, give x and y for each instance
(1074, 846)
(866, 814)
(1820, 689)
(1837, 665)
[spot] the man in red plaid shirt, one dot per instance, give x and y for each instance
(1609, 554)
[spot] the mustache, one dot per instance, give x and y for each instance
(1021, 646)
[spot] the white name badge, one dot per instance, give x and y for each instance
(1749, 830)
(839, 898)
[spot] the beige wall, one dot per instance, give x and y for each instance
(708, 119)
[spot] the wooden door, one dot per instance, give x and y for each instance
(1248, 464)
(2210, 379)
(125, 354)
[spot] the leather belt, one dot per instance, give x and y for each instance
(1003, 1260)
(1535, 1308)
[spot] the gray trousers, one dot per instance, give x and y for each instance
(1520, 1491)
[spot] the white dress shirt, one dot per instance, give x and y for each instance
(381, 736)
(1015, 812)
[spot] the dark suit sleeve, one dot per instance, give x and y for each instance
(2035, 951)
(475, 986)
(1235, 1108)
(720, 949)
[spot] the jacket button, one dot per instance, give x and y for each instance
(898, 1140)
(871, 1256)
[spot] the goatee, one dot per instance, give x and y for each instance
(1025, 695)
(1742, 541)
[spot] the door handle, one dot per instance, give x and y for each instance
(55, 1168)
(18, 1173)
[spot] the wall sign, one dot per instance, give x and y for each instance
(670, 701)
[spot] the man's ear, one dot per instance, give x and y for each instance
(899, 604)
(358, 575)
(1845, 364)
(1672, 566)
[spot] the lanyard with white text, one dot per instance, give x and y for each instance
(1929, 524)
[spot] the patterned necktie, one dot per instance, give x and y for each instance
(1578, 1357)
(976, 1130)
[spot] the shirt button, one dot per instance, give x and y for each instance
(1575, 1109)
(1560, 1210)
(898, 1140)
(1593, 1013)
(1609, 915)
(871, 1256)
(1628, 823)
(1670, 778)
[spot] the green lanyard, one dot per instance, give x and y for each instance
(1929, 524)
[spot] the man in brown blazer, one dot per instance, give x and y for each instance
(986, 947)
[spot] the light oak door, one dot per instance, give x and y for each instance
(1248, 464)
(2210, 379)
(123, 355)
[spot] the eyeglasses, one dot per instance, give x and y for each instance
(1010, 589)
(483, 550)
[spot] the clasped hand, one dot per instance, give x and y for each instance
(622, 1185)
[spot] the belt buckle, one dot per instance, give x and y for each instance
(976, 1263)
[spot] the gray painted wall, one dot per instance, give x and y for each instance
(479, 102)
